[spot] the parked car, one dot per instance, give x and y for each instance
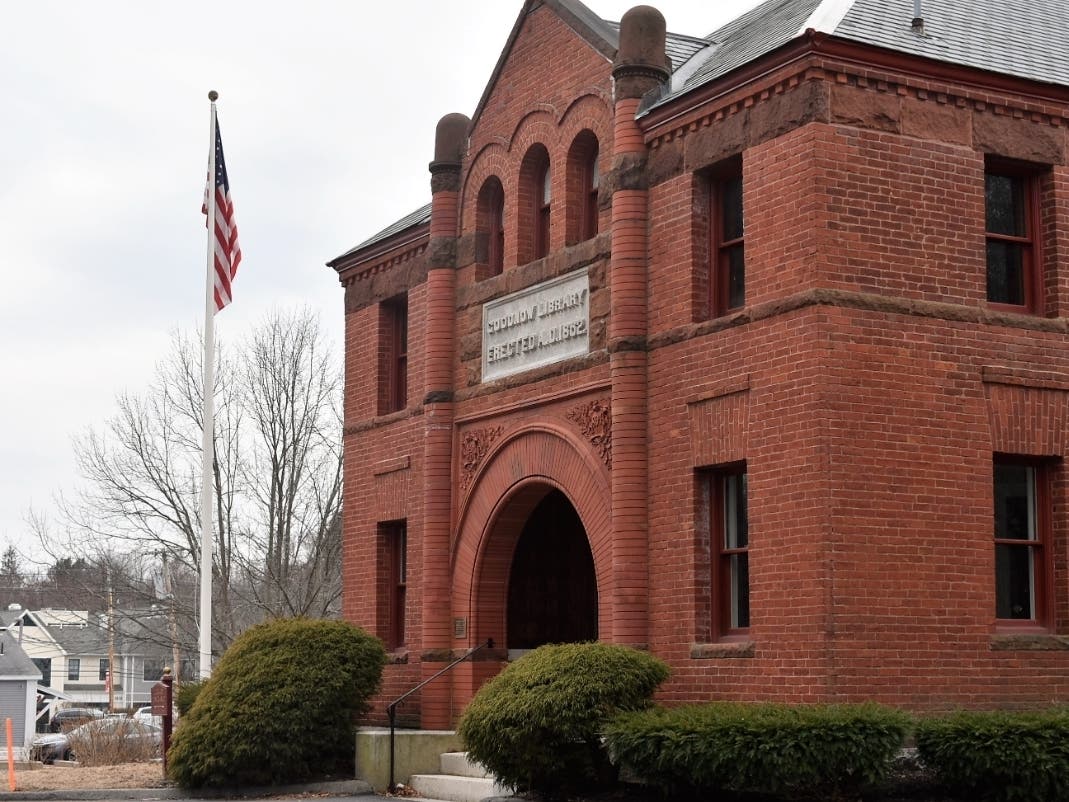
(145, 714)
(133, 734)
(70, 717)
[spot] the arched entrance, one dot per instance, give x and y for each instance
(543, 463)
(552, 586)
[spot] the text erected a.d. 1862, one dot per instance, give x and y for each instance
(537, 326)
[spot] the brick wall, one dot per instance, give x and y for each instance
(866, 384)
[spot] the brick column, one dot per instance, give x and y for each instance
(449, 148)
(639, 67)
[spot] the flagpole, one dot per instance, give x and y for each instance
(207, 435)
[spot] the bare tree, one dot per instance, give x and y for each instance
(276, 476)
(294, 476)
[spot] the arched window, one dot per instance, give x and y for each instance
(582, 183)
(545, 195)
(534, 204)
(490, 226)
(593, 184)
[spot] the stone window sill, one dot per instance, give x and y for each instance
(1029, 642)
(725, 650)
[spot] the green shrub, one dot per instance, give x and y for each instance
(279, 707)
(537, 724)
(758, 747)
(187, 694)
(999, 755)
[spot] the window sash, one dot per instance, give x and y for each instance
(590, 211)
(398, 573)
(731, 573)
(398, 380)
(74, 668)
(1021, 531)
(727, 285)
(152, 670)
(496, 244)
(1011, 220)
(542, 215)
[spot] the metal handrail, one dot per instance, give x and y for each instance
(391, 708)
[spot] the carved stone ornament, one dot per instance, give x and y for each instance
(473, 447)
(594, 420)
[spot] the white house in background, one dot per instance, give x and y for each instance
(18, 695)
(71, 650)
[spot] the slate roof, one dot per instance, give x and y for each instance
(1023, 38)
(420, 217)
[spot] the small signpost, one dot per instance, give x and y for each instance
(162, 698)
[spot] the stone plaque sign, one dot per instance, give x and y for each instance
(538, 326)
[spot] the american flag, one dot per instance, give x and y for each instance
(225, 234)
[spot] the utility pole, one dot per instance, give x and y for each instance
(111, 647)
(172, 622)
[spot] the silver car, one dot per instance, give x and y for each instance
(125, 735)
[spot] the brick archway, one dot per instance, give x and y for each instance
(513, 479)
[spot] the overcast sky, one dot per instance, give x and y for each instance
(327, 111)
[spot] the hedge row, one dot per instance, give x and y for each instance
(564, 717)
(759, 747)
(1015, 757)
(1007, 756)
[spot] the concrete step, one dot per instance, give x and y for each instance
(450, 788)
(457, 763)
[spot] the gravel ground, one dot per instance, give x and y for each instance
(60, 778)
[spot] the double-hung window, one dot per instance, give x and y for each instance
(727, 279)
(396, 547)
(729, 529)
(1011, 205)
(74, 668)
(393, 383)
(490, 220)
(1022, 538)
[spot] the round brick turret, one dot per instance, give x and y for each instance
(639, 67)
(641, 63)
(450, 147)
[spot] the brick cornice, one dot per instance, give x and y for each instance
(384, 259)
(835, 61)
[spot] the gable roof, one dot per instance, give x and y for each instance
(1022, 38)
(77, 641)
(14, 662)
(598, 33)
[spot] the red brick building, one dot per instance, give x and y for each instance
(748, 349)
